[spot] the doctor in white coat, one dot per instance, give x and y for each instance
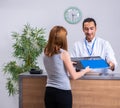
(92, 45)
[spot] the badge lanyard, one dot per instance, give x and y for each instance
(90, 53)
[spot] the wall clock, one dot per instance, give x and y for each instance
(73, 15)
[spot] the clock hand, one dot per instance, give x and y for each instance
(73, 16)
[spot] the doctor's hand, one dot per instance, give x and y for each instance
(112, 66)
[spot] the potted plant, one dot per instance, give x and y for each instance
(27, 48)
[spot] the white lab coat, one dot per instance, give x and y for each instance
(101, 48)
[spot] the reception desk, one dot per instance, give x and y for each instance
(90, 91)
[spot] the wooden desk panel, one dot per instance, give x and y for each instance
(86, 93)
(96, 93)
(32, 92)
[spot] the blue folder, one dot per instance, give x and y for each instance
(94, 63)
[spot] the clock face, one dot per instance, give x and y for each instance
(72, 15)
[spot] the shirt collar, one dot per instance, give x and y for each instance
(91, 41)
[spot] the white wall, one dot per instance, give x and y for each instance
(47, 13)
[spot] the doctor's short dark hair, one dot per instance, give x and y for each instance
(89, 20)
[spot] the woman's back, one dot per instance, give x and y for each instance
(57, 73)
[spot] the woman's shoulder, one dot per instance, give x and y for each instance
(64, 53)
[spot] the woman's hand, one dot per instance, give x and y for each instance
(87, 69)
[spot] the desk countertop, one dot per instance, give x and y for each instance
(104, 76)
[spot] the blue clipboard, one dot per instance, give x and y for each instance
(94, 63)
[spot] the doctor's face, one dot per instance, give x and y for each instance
(89, 29)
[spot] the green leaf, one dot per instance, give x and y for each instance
(27, 47)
